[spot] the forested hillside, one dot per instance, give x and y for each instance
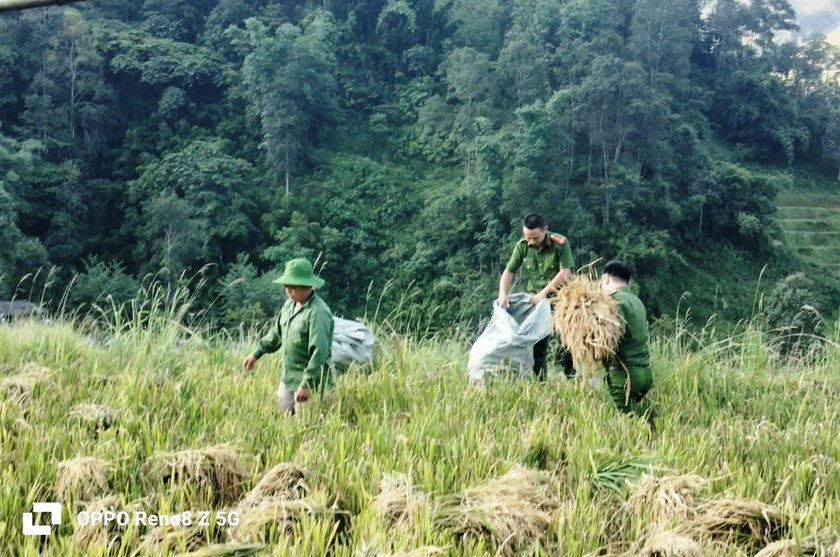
(400, 142)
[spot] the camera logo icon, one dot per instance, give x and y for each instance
(32, 529)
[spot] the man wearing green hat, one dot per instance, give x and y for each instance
(304, 332)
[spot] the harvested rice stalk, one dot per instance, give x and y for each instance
(164, 540)
(792, 548)
(19, 387)
(425, 551)
(512, 511)
(588, 322)
(280, 516)
(97, 416)
(398, 500)
(284, 481)
(670, 544)
(82, 479)
(100, 535)
(666, 497)
(215, 473)
(227, 550)
(741, 521)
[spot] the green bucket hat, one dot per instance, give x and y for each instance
(299, 273)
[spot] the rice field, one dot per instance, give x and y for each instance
(811, 226)
(411, 459)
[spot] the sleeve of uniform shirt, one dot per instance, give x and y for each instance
(567, 260)
(622, 317)
(516, 258)
(270, 342)
(320, 347)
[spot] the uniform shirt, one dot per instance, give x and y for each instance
(633, 348)
(305, 335)
(541, 262)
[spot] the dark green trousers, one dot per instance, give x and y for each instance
(628, 387)
(561, 355)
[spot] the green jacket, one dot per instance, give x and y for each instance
(305, 337)
(541, 263)
(633, 349)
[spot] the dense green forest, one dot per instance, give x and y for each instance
(400, 142)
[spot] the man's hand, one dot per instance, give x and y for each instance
(538, 297)
(249, 362)
(302, 394)
(503, 300)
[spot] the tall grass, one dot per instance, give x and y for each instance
(730, 409)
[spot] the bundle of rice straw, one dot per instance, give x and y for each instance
(666, 498)
(227, 550)
(94, 537)
(745, 522)
(669, 544)
(425, 551)
(398, 500)
(98, 416)
(165, 540)
(215, 473)
(588, 322)
(808, 547)
(512, 511)
(281, 516)
(285, 481)
(82, 479)
(19, 387)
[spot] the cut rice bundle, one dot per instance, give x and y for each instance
(512, 511)
(82, 479)
(398, 500)
(102, 538)
(425, 551)
(227, 550)
(281, 516)
(792, 548)
(98, 416)
(744, 522)
(285, 481)
(216, 473)
(666, 498)
(670, 544)
(588, 322)
(165, 540)
(20, 387)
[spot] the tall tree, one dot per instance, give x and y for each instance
(66, 108)
(289, 82)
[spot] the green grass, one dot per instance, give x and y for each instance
(729, 411)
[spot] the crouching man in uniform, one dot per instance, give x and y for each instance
(629, 375)
(303, 333)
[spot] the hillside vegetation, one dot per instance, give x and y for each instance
(400, 142)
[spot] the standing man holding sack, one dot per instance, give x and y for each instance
(548, 262)
(303, 333)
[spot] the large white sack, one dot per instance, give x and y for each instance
(508, 340)
(352, 343)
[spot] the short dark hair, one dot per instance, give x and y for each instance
(618, 269)
(533, 221)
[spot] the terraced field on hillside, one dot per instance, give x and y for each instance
(811, 226)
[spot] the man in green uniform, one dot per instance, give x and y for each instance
(304, 333)
(629, 375)
(548, 262)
